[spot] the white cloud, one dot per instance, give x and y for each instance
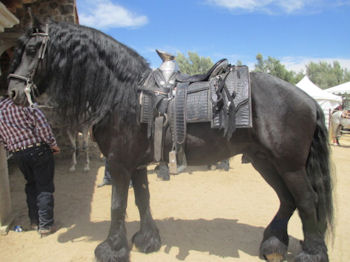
(277, 6)
(240, 4)
(292, 5)
(104, 14)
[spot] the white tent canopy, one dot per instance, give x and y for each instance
(326, 100)
(315, 92)
(342, 89)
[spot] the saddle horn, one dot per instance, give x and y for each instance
(165, 56)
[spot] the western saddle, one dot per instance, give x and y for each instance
(221, 97)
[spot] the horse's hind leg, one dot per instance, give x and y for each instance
(115, 247)
(85, 133)
(275, 241)
(314, 227)
(147, 239)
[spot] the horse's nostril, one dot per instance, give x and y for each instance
(13, 94)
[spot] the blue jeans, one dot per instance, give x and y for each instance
(38, 166)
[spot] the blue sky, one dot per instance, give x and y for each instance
(293, 31)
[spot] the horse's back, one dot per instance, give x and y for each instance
(273, 91)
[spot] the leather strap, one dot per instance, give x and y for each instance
(158, 138)
(180, 112)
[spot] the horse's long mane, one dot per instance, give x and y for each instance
(88, 73)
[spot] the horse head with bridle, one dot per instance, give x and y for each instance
(95, 79)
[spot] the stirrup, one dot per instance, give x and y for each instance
(179, 163)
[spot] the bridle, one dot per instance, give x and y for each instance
(31, 88)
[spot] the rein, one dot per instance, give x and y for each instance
(30, 85)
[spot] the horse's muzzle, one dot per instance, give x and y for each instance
(17, 97)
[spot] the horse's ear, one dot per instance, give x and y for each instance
(34, 23)
(37, 24)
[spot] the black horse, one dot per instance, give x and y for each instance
(94, 79)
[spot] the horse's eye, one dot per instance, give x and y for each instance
(30, 50)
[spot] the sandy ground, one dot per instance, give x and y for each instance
(202, 215)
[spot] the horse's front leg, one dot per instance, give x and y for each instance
(72, 140)
(147, 239)
(115, 248)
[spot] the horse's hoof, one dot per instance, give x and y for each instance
(104, 253)
(305, 257)
(72, 169)
(147, 242)
(274, 257)
(163, 172)
(273, 250)
(86, 169)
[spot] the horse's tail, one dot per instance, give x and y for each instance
(319, 172)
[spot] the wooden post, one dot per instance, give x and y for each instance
(6, 216)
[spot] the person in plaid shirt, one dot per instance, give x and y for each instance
(25, 132)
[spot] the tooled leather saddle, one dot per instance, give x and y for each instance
(220, 97)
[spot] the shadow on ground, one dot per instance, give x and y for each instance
(186, 235)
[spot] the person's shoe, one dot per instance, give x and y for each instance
(44, 232)
(104, 183)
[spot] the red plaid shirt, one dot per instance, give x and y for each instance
(23, 126)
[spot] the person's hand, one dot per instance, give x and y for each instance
(55, 150)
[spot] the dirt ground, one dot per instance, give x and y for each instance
(202, 215)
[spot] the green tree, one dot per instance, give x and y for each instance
(260, 65)
(194, 64)
(274, 67)
(326, 75)
(239, 63)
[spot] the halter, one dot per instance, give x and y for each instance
(30, 85)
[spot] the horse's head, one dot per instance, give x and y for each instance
(25, 72)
